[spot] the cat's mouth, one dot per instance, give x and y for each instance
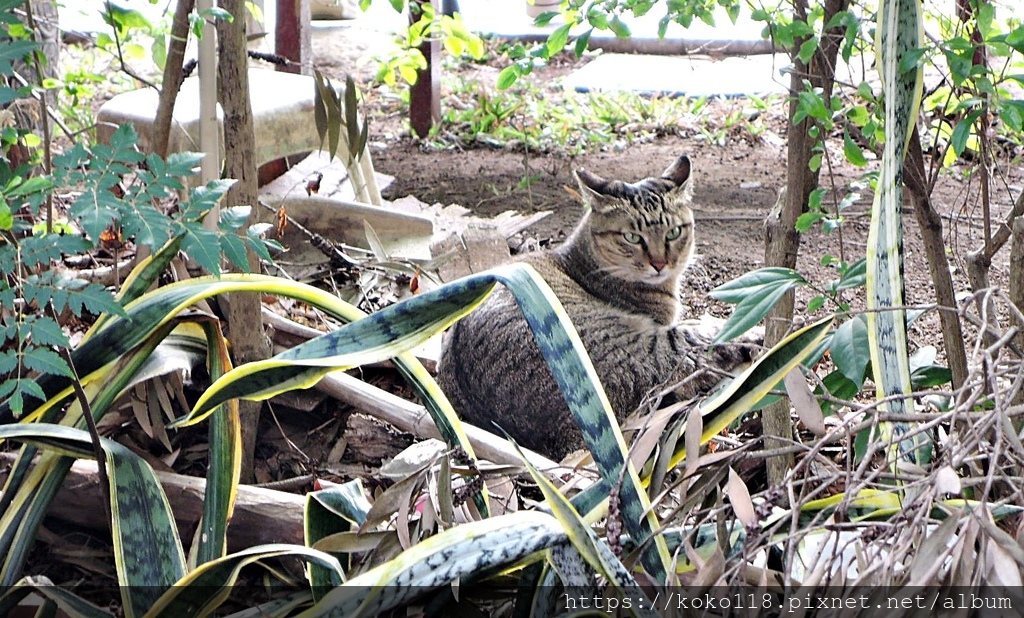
(656, 277)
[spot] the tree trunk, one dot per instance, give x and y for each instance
(249, 341)
(782, 240)
(172, 77)
(935, 250)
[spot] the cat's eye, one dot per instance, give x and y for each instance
(674, 233)
(632, 238)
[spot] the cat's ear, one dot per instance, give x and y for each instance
(595, 191)
(679, 174)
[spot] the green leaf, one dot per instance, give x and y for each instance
(234, 249)
(95, 298)
(183, 163)
(853, 152)
(1015, 39)
(598, 19)
(557, 40)
(508, 76)
(331, 511)
(203, 199)
(815, 163)
(736, 290)
(320, 106)
(619, 27)
(95, 210)
(31, 185)
(45, 331)
(232, 219)
(13, 51)
(850, 351)
(854, 276)
(752, 309)
(912, 60)
(124, 18)
(807, 49)
(839, 386)
(45, 361)
(147, 549)
(581, 43)
(122, 145)
(962, 132)
(747, 389)
(216, 12)
(352, 119)
(807, 220)
(453, 555)
(224, 444)
(203, 246)
(930, 376)
(149, 226)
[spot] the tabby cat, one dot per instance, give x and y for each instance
(618, 276)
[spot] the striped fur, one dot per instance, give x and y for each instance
(618, 276)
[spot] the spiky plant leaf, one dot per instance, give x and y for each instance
(409, 323)
(898, 33)
(147, 550)
(592, 549)
(207, 587)
(456, 554)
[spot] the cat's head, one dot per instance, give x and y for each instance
(641, 231)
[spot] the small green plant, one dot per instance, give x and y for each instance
(121, 194)
(453, 34)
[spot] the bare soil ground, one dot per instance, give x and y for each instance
(737, 183)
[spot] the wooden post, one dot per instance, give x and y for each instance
(292, 36)
(425, 95)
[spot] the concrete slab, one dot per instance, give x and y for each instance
(282, 107)
(402, 234)
(682, 75)
(334, 182)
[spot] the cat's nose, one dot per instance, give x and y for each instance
(658, 265)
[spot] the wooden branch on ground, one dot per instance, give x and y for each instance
(261, 515)
(413, 418)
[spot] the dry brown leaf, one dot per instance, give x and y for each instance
(694, 429)
(1003, 570)
(932, 553)
(947, 481)
(739, 497)
(804, 403)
